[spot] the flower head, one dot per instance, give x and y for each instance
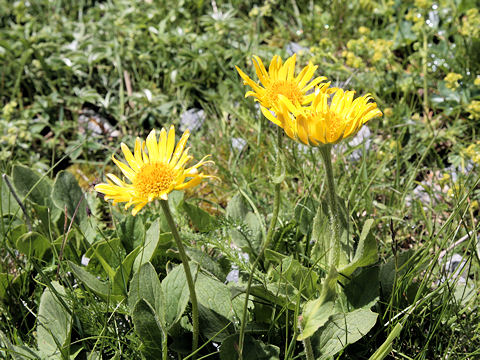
(154, 170)
(452, 80)
(280, 79)
(327, 120)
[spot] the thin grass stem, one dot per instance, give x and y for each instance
(269, 236)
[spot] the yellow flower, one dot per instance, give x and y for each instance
(363, 30)
(474, 109)
(280, 80)
(388, 112)
(153, 171)
(474, 205)
(452, 80)
(327, 121)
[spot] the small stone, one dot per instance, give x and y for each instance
(192, 119)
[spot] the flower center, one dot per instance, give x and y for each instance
(289, 89)
(153, 179)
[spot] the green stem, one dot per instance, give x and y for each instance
(188, 274)
(268, 239)
(425, 80)
(307, 345)
(334, 248)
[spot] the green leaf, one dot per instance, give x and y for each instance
(177, 295)
(54, 322)
(341, 330)
(67, 192)
(146, 253)
(291, 277)
(33, 244)
(27, 182)
(131, 232)
(212, 265)
(146, 285)
(366, 253)
(215, 307)
(305, 212)
(122, 273)
(237, 208)
(16, 352)
(363, 289)
(394, 268)
(148, 328)
(255, 238)
(47, 216)
(202, 220)
(5, 280)
(8, 203)
(253, 349)
(99, 287)
(315, 314)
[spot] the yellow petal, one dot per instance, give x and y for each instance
(129, 173)
(170, 144)
(130, 158)
(267, 113)
(162, 146)
(137, 208)
(138, 152)
(146, 160)
(152, 146)
(193, 182)
(180, 146)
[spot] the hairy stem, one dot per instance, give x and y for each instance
(188, 274)
(334, 246)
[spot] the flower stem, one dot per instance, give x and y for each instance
(188, 274)
(307, 345)
(334, 246)
(268, 239)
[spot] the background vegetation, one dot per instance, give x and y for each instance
(79, 77)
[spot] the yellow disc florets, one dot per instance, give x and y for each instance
(289, 89)
(153, 179)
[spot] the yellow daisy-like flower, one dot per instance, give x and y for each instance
(280, 79)
(153, 170)
(328, 121)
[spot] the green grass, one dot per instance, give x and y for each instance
(140, 65)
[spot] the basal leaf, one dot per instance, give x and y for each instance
(33, 244)
(99, 287)
(305, 212)
(215, 307)
(30, 184)
(131, 232)
(146, 285)
(253, 349)
(177, 295)
(315, 314)
(341, 330)
(147, 251)
(148, 327)
(366, 253)
(67, 193)
(8, 203)
(54, 322)
(202, 220)
(237, 207)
